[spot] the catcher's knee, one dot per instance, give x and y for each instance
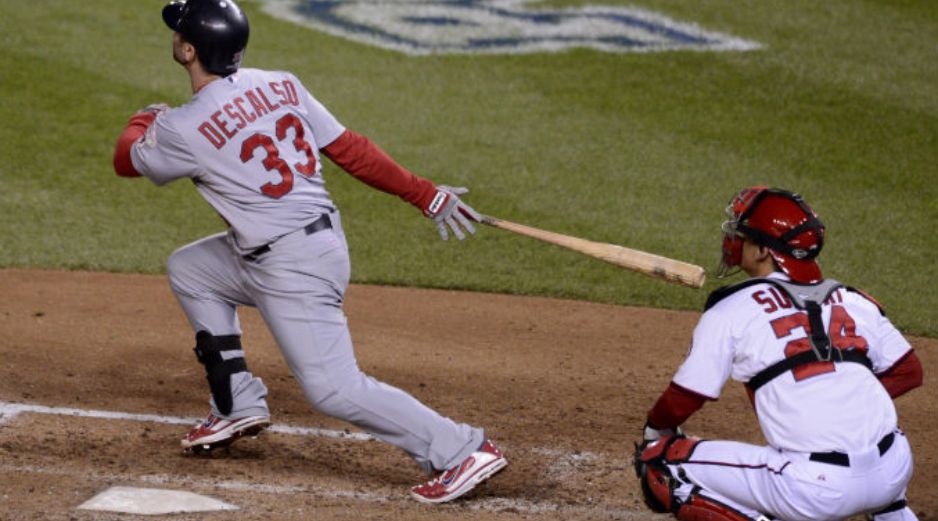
(659, 485)
(651, 467)
(218, 368)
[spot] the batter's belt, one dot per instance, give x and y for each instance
(320, 224)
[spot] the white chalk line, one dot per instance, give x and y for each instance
(9, 410)
(564, 464)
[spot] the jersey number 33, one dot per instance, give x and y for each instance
(272, 160)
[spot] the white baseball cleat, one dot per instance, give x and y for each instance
(217, 432)
(453, 483)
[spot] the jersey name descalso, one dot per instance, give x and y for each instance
(246, 108)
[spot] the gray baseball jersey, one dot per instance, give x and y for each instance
(250, 142)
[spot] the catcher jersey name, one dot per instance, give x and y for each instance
(246, 108)
(772, 299)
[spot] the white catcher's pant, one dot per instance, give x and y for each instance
(298, 287)
(758, 479)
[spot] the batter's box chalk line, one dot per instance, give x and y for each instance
(9, 410)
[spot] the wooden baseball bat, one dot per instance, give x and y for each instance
(670, 270)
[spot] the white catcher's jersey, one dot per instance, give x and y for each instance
(250, 142)
(818, 407)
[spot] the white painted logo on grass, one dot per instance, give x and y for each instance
(499, 26)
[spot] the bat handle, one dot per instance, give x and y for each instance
(485, 219)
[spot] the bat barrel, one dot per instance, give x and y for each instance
(665, 268)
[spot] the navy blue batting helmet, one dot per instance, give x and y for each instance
(218, 30)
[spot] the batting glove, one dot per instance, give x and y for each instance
(448, 211)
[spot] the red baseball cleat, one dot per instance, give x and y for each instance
(453, 483)
(217, 432)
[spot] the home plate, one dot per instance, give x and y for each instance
(152, 501)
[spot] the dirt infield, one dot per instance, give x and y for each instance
(562, 386)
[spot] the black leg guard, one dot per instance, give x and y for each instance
(218, 371)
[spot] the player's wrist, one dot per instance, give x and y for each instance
(437, 203)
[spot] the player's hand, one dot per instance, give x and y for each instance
(449, 211)
(651, 434)
(156, 108)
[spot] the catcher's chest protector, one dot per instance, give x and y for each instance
(808, 298)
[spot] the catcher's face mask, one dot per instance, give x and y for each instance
(732, 238)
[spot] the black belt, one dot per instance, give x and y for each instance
(839, 458)
(320, 224)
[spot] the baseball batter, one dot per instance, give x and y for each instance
(250, 141)
(821, 363)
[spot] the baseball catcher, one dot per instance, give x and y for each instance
(821, 363)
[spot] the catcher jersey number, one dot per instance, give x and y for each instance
(842, 332)
(272, 160)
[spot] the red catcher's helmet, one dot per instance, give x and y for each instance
(782, 222)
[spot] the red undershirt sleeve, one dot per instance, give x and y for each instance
(364, 160)
(675, 405)
(903, 376)
(136, 128)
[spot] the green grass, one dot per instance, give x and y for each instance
(642, 150)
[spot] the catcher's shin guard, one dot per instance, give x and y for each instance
(218, 371)
(656, 488)
(701, 508)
